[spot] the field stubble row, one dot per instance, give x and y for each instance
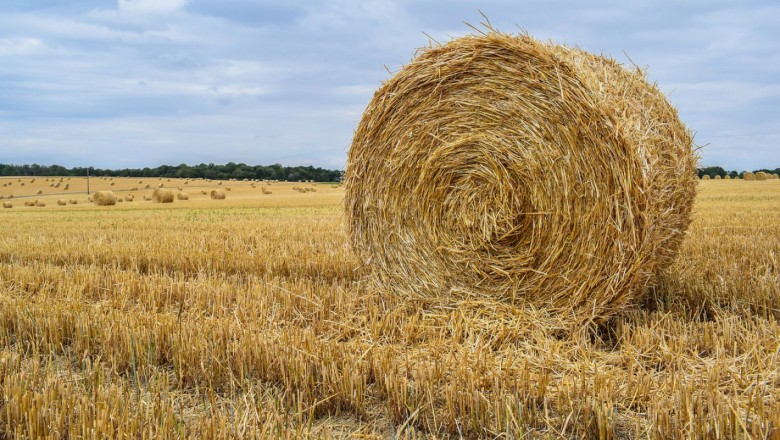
(250, 319)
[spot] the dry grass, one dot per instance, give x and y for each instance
(119, 323)
(468, 129)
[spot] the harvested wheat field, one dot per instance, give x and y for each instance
(248, 317)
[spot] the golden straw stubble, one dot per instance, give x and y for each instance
(496, 165)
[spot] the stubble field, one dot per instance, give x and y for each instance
(247, 317)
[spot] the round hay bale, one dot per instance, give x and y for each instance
(705, 177)
(217, 194)
(717, 177)
(62, 202)
(67, 186)
(727, 177)
(7, 205)
(73, 202)
(203, 193)
(40, 203)
(499, 166)
(40, 191)
(129, 198)
(182, 196)
(147, 186)
(147, 198)
(760, 176)
(104, 198)
(29, 203)
(748, 176)
(162, 196)
(119, 200)
(774, 176)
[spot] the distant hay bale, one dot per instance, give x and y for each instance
(217, 194)
(705, 177)
(104, 198)
(182, 196)
(7, 205)
(21, 184)
(129, 198)
(32, 180)
(135, 188)
(147, 186)
(220, 183)
(204, 193)
(266, 191)
(119, 200)
(40, 203)
(112, 183)
(147, 198)
(160, 185)
(774, 176)
(522, 171)
(761, 176)
(162, 196)
(227, 188)
(10, 196)
(73, 202)
(67, 186)
(62, 202)
(727, 177)
(717, 177)
(748, 176)
(29, 203)
(186, 182)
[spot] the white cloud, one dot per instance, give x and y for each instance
(151, 6)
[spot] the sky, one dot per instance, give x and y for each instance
(136, 83)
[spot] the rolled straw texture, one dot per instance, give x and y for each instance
(496, 165)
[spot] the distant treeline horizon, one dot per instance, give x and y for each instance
(229, 170)
(719, 171)
(233, 170)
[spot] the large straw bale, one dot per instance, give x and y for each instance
(500, 166)
(748, 176)
(104, 198)
(162, 196)
(182, 196)
(7, 205)
(62, 202)
(217, 194)
(705, 177)
(761, 176)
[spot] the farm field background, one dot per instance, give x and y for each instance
(247, 317)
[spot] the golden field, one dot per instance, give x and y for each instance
(247, 318)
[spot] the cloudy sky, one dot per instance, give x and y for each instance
(134, 83)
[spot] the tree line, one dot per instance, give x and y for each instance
(229, 170)
(719, 171)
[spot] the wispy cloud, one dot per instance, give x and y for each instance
(144, 82)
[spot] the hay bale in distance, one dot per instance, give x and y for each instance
(162, 196)
(203, 193)
(761, 176)
(73, 202)
(40, 203)
(217, 194)
(62, 202)
(7, 205)
(727, 177)
(717, 177)
(182, 196)
(129, 198)
(488, 137)
(29, 203)
(705, 177)
(748, 176)
(104, 198)
(147, 198)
